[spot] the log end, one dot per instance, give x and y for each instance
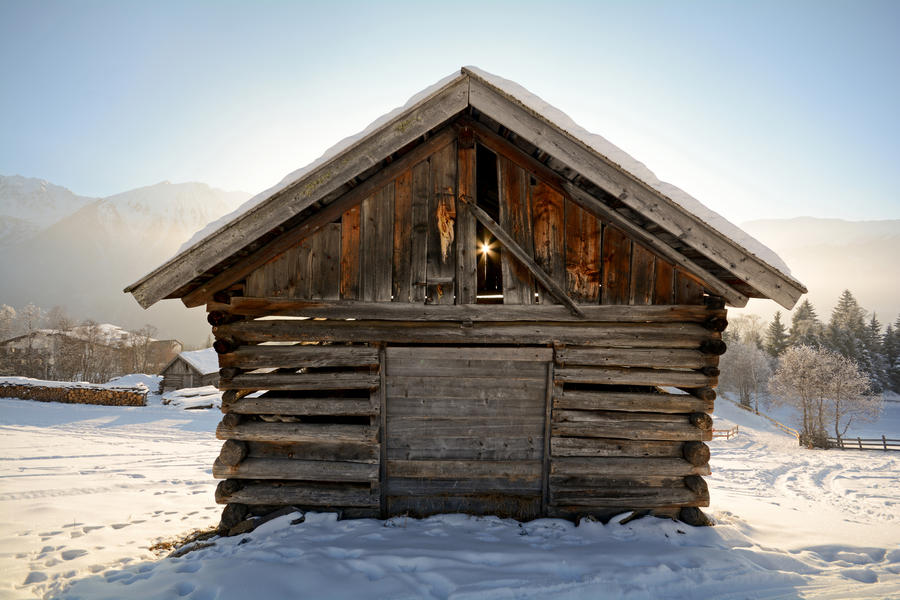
(691, 515)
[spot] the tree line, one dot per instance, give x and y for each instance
(52, 345)
(833, 373)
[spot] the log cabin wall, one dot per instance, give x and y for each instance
(364, 373)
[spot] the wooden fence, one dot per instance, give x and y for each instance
(778, 424)
(858, 443)
(725, 433)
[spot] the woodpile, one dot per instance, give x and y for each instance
(76, 394)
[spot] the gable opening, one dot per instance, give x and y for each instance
(487, 194)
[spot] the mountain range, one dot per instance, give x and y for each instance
(59, 248)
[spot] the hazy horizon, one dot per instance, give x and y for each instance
(761, 110)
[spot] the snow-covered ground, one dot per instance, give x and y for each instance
(87, 489)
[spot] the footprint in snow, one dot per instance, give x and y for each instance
(72, 554)
(183, 588)
(190, 567)
(90, 528)
(35, 577)
(861, 575)
(119, 525)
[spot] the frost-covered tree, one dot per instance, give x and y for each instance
(30, 317)
(845, 333)
(798, 382)
(139, 349)
(59, 319)
(806, 329)
(776, 337)
(7, 321)
(829, 390)
(848, 394)
(745, 370)
(745, 328)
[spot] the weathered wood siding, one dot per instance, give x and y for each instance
(179, 374)
(413, 241)
(465, 429)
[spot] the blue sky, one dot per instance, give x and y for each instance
(759, 109)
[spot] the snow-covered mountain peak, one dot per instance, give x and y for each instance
(36, 202)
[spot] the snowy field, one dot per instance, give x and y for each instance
(86, 490)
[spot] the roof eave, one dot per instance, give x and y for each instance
(649, 202)
(399, 131)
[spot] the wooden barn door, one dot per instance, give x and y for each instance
(464, 430)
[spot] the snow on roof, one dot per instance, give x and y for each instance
(549, 113)
(205, 361)
(636, 168)
(295, 176)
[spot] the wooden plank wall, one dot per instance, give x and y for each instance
(398, 244)
(465, 430)
(412, 241)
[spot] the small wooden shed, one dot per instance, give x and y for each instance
(475, 306)
(194, 368)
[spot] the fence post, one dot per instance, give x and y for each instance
(884, 442)
(859, 441)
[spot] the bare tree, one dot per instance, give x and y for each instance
(59, 320)
(746, 328)
(7, 321)
(848, 394)
(139, 346)
(745, 370)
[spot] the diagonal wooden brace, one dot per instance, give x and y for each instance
(510, 244)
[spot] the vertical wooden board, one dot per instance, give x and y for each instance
(687, 289)
(367, 240)
(515, 218)
(441, 263)
(384, 243)
(421, 185)
(642, 270)
(582, 254)
(548, 207)
(466, 259)
(350, 254)
(297, 282)
(616, 266)
(664, 282)
(325, 251)
(403, 283)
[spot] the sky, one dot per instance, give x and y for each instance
(759, 109)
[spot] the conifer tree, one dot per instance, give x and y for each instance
(892, 355)
(806, 329)
(776, 337)
(873, 344)
(846, 330)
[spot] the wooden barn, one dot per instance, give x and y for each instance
(194, 368)
(472, 306)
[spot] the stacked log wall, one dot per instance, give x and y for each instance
(323, 410)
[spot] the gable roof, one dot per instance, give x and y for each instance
(597, 173)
